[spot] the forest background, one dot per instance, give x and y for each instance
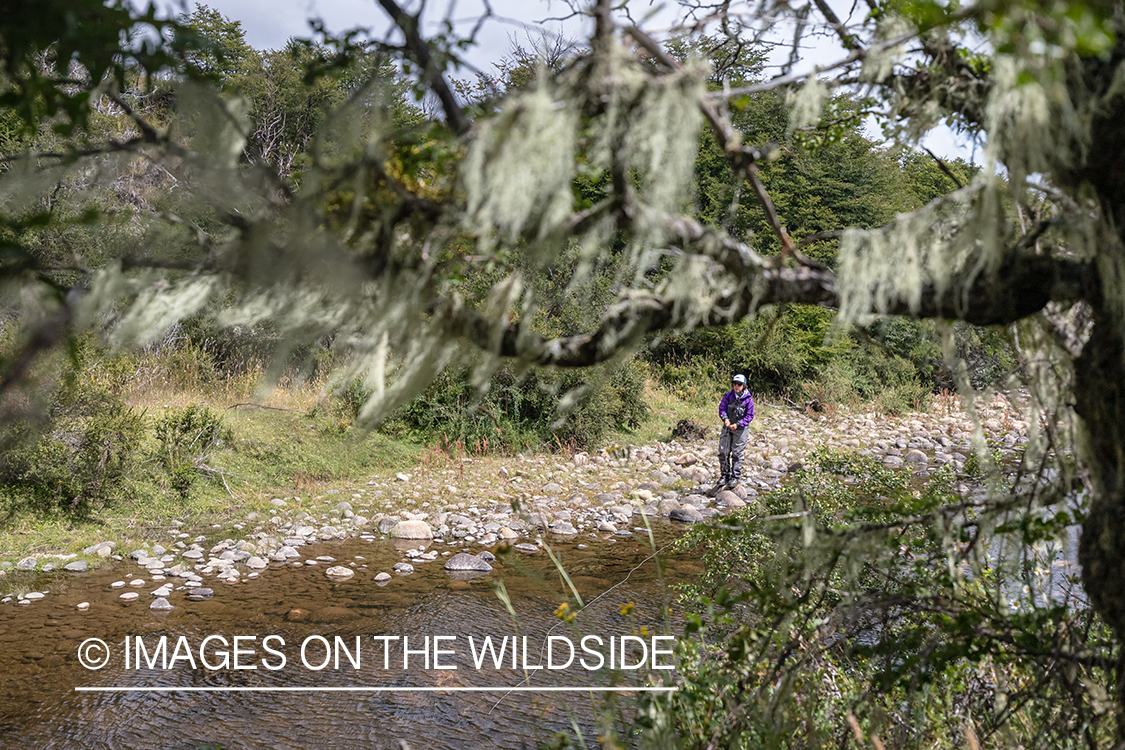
(791, 354)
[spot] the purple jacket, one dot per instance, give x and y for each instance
(733, 405)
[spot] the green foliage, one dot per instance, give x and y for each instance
(212, 44)
(540, 409)
(864, 603)
(40, 41)
(186, 439)
(76, 461)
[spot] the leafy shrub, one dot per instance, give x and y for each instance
(186, 439)
(80, 458)
(794, 350)
(539, 409)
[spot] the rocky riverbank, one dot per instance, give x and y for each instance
(450, 507)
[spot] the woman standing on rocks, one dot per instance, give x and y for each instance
(736, 409)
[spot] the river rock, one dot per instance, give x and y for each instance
(916, 456)
(101, 549)
(339, 573)
(382, 577)
(78, 566)
(563, 528)
(726, 496)
(83, 606)
(526, 548)
(200, 594)
(130, 596)
(728, 499)
(686, 514)
(412, 530)
(403, 568)
(161, 605)
(257, 563)
(694, 499)
(28, 563)
(464, 561)
(486, 556)
(34, 595)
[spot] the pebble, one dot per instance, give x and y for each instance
(130, 596)
(339, 572)
(161, 605)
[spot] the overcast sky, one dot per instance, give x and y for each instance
(269, 23)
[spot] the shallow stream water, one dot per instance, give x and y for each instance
(41, 705)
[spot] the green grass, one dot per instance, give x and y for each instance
(273, 453)
(670, 405)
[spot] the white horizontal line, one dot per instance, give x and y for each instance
(366, 689)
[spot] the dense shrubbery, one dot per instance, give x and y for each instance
(76, 460)
(540, 409)
(795, 352)
(870, 606)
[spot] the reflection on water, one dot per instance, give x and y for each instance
(39, 668)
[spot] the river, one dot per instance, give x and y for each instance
(45, 700)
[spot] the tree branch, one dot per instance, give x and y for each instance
(1022, 286)
(455, 117)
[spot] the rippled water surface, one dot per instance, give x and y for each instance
(39, 667)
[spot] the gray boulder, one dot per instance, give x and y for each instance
(463, 561)
(686, 514)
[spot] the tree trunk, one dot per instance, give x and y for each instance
(1100, 402)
